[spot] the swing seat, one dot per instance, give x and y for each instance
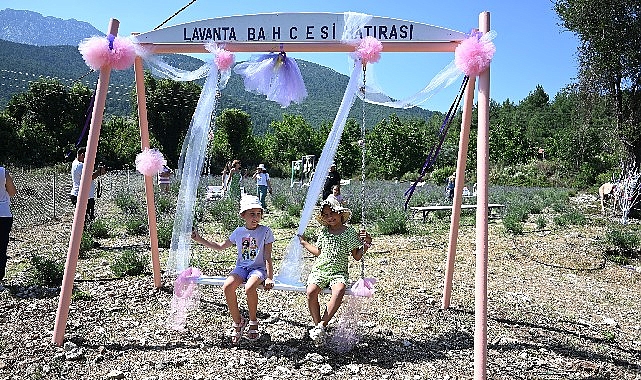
(278, 285)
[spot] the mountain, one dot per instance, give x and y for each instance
(22, 63)
(32, 28)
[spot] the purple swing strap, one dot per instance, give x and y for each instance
(431, 157)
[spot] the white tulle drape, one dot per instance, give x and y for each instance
(190, 166)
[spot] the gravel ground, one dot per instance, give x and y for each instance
(556, 310)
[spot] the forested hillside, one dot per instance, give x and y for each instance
(21, 64)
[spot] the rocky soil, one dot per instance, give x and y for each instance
(557, 309)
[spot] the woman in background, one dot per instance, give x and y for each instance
(7, 190)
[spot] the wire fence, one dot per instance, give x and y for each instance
(43, 194)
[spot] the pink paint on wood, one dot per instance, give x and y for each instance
(464, 141)
(149, 185)
(81, 207)
(482, 171)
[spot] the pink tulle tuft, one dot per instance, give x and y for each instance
(123, 53)
(149, 162)
(185, 298)
(224, 59)
(473, 55)
(364, 287)
(96, 52)
(369, 50)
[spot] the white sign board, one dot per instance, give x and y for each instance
(295, 27)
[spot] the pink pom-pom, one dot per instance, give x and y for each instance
(97, 53)
(369, 50)
(224, 59)
(473, 55)
(149, 162)
(364, 287)
(123, 53)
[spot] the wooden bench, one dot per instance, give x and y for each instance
(492, 211)
(300, 287)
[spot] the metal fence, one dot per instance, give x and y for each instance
(43, 194)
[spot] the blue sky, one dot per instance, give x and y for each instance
(531, 49)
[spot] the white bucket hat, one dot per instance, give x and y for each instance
(261, 166)
(248, 202)
(335, 206)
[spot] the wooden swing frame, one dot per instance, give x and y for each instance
(438, 42)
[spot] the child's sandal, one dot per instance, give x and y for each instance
(237, 330)
(253, 333)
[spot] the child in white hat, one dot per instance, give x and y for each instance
(253, 265)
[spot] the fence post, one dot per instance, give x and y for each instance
(53, 194)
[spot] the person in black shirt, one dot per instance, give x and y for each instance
(333, 178)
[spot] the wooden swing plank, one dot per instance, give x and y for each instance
(278, 285)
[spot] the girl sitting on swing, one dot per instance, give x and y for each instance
(336, 242)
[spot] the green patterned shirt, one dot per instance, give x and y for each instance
(335, 251)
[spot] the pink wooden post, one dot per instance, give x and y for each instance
(482, 171)
(149, 184)
(83, 194)
(458, 190)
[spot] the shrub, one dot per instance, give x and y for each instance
(569, 218)
(127, 203)
(623, 241)
(77, 295)
(293, 210)
(285, 221)
(129, 263)
(165, 231)
(512, 224)
(394, 223)
(221, 208)
(280, 201)
(541, 222)
(99, 229)
(136, 226)
(165, 205)
(46, 271)
(439, 176)
(86, 244)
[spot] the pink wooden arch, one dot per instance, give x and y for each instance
(426, 38)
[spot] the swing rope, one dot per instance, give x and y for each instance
(363, 226)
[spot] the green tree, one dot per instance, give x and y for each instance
(120, 142)
(233, 139)
(395, 148)
(289, 139)
(48, 118)
(610, 59)
(170, 107)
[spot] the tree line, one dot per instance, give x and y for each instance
(581, 137)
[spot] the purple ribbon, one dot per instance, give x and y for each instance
(445, 126)
(111, 39)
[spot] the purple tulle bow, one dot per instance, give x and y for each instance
(275, 76)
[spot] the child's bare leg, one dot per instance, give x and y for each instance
(338, 291)
(313, 291)
(252, 296)
(229, 289)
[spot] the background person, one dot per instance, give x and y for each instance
(336, 194)
(164, 177)
(263, 184)
(7, 190)
(76, 174)
(333, 178)
(235, 178)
